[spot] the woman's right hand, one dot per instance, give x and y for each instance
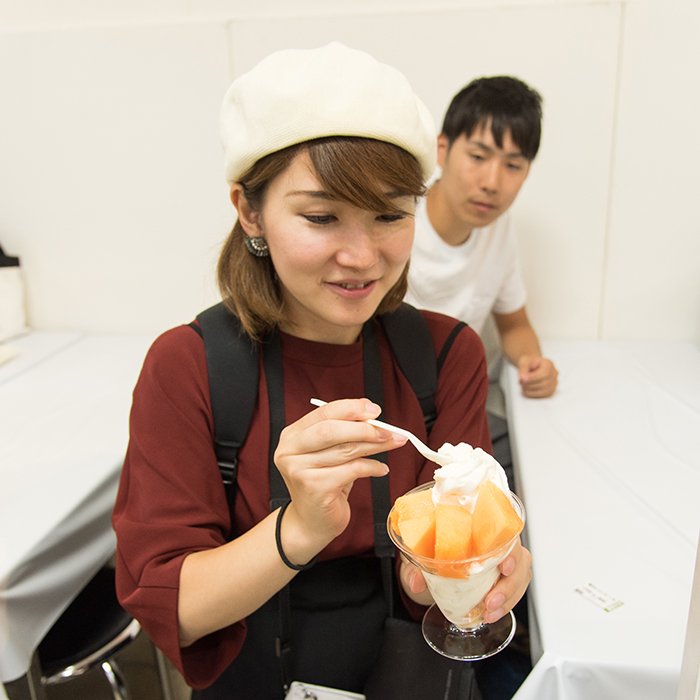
(320, 456)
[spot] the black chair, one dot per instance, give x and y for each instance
(89, 633)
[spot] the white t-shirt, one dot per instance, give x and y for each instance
(468, 281)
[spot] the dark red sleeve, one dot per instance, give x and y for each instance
(171, 502)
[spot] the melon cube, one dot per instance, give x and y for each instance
(413, 517)
(495, 521)
(418, 534)
(411, 505)
(453, 532)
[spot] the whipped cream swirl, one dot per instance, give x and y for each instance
(458, 481)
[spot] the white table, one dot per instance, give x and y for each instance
(609, 469)
(64, 405)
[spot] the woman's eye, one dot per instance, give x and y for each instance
(390, 218)
(319, 219)
(476, 156)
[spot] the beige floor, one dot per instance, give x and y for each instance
(140, 669)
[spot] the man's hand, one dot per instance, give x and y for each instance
(538, 376)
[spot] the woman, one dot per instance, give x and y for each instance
(326, 153)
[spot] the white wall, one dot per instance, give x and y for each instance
(652, 280)
(110, 166)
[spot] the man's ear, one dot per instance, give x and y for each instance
(443, 145)
(248, 217)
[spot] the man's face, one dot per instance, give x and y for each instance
(480, 180)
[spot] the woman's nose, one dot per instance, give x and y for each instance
(359, 249)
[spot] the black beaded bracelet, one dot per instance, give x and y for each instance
(278, 540)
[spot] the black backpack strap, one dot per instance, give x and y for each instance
(412, 345)
(279, 495)
(274, 376)
(413, 349)
(381, 501)
(232, 363)
(448, 344)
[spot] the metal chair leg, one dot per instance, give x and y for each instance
(116, 679)
(29, 686)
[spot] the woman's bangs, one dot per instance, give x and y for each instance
(367, 173)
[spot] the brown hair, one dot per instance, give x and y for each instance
(357, 170)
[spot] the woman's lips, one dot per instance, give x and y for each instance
(353, 289)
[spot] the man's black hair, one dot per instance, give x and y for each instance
(506, 103)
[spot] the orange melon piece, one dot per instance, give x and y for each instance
(411, 505)
(453, 532)
(413, 517)
(495, 521)
(418, 534)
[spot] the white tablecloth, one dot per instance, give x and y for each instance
(609, 469)
(64, 404)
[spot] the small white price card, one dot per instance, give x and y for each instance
(594, 595)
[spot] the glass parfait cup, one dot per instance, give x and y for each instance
(454, 626)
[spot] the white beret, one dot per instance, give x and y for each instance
(297, 95)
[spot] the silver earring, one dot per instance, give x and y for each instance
(257, 246)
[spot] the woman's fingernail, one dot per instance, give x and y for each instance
(495, 601)
(398, 439)
(493, 616)
(508, 567)
(371, 407)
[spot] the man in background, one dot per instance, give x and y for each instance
(464, 261)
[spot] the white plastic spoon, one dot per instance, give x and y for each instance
(418, 444)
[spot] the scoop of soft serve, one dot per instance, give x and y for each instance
(458, 481)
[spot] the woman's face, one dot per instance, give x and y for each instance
(335, 262)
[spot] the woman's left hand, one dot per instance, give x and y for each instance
(516, 574)
(413, 583)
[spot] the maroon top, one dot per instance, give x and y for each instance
(171, 500)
